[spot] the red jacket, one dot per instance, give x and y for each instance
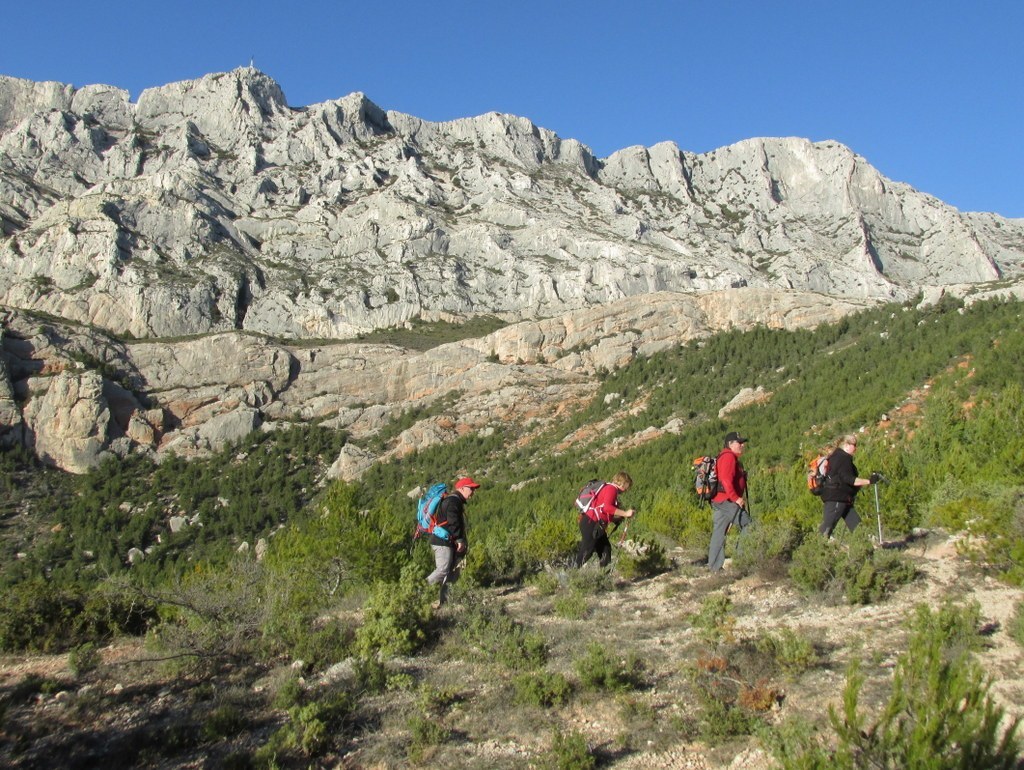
(605, 504)
(732, 479)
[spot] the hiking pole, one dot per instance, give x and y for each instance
(878, 514)
(878, 509)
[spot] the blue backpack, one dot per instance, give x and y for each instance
(427, 509)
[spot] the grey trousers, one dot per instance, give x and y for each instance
(446, 572)
(723, 515)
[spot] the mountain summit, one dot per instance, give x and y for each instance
(212, 205)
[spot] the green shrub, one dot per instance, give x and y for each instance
(548, 582)
(490, 629)
(714, 620)
(879, 575)
(310, 729)
(288, 693)
(816, 564)
(768, 544)
(591, 581)
(720, 720)
(570, 751)
(426, 732)
(541, 688)
(40, 615)
(958, 626)
(84, 658)
(939, 715)
(1016, 629)
(859, 571)
(396, 617)
(572, 605)
(225, 721)
(598, 669)
(641, 558)
(435, 700)
(793, 653)
(324, 645)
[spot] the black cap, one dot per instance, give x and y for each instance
(734, 436)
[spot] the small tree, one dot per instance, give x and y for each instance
(940, 715)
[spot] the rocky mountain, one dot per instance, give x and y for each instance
(212, 205)
(212, 208)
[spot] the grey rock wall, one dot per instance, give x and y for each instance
(212, 205)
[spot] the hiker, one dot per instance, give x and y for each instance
(449, 553)
(599, 514)
(841, 485)
(729, 505)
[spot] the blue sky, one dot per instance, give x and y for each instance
(931, 93)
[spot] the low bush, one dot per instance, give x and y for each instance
(732, 691)
(714, 620)
(599, 669)
(225, 721)
(84, 658)
(572, 605)
(591, 581)
(426, 732)
(569, 751)
(40, 616)
(310, 729)
(548, 582)
(491, 630)
(1016, 628)
(857, 570)
(396, 617)
(768, 545)
(792, 652)
(939, 715)
(541, 688)
(641, 558)
(958, 625)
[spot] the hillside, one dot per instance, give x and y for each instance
(455, 703)
(278, 618)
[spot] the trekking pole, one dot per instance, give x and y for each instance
(878, 514)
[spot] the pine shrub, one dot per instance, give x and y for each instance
(396, 617)
(491, 630)
(599, 669)
(940, 715)
(541, 688)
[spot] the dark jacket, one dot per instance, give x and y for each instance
(839, 484)
(451, 517)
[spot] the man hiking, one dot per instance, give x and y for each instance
(594, 521)
(729, 505)
(450, 551)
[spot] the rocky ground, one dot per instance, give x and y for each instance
(128, 714)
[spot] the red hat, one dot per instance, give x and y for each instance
(466, 481)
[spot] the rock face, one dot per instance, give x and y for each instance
(76, 395)
(210, 209)
(212, 205)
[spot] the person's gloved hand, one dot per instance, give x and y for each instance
(875, 477)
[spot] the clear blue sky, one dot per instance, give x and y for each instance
(930, 92)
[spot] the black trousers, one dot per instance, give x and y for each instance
(593, 540)
(834, 511)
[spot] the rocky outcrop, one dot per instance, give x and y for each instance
(78, 394)
(191, 241)
(211, 205)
